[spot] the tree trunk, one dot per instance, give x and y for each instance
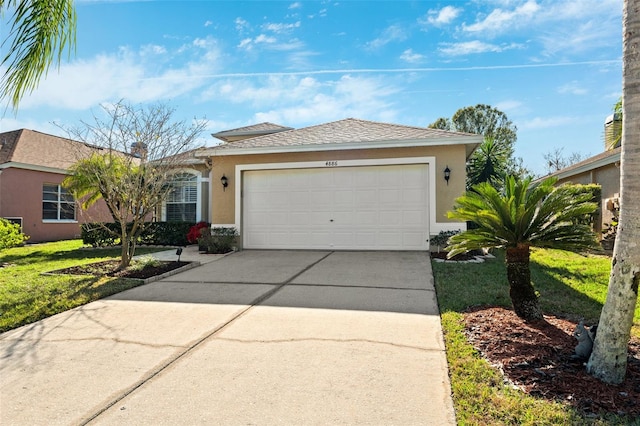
(523, 295)
(608, 361)
(125, 248)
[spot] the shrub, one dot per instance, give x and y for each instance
(442, 239)
(98, 234)
(10, 234)
(154, 233)
(165, 233)
(195, 232)
(219, 240)
(596, 194)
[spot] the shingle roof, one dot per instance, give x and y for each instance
(255, 129)
(591, 163)
(40, 149)
(350, 130)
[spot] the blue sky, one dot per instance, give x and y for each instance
(553, 66)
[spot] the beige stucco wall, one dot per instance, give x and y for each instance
(223, 201)
(21, 196)
(608, 177)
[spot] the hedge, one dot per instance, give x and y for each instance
(154, 233)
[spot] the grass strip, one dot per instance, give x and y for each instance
(569, 284)
(27, 296)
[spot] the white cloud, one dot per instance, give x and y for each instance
(208, 23)
(411, 57)
(581, 38)
(500, 20)
(546, 122)
(512, 106)
(473, 47)
(250, 43)
(438, 18)
(241, 24)
(295, 100)
(572, 88)
(390, 34)
(126, 75)
(263, 38)
(245, 43)
(271, 43)
(281, 28)
(152, 49)
(296, 5)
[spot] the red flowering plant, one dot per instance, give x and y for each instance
(195, 232)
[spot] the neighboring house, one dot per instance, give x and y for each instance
(32, 168)
(348, 184)
(604, 170)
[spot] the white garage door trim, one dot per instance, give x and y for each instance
(434, 226)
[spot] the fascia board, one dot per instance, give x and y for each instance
(588, 167)
(25, 166)
(342, 146)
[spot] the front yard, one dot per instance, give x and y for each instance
(572, 287)
(26, 295)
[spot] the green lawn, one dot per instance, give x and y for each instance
(27, 296)
(569, 284)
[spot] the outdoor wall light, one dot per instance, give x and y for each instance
(225, 182)
(447, 174)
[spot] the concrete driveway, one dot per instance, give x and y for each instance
(257, 337)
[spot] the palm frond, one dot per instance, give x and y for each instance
(537, 214)
(40, 31)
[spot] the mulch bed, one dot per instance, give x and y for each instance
(457, 257)
(536, 357)
(109, 267)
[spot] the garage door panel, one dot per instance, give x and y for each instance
(369, 207)
(389, 218)
(413, 218)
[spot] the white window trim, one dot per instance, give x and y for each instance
(199, 180)
(435, 227)
(75, 207)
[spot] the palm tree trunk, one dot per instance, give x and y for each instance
(608, 361)
(523, 295)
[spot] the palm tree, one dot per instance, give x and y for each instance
(39, 33)
(608, 361)
(488, 163)
(522, 215)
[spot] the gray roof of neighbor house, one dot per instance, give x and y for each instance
(28, 148)
(350, 133)
(250, 131)
(604, 158)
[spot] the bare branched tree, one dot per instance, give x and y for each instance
(556, 160)
(141, 147)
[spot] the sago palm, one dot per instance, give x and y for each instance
(522, 215)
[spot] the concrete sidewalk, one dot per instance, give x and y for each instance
(257, 337)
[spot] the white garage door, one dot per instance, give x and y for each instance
(349, 208)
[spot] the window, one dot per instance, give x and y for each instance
(57, 203)
(183, 198)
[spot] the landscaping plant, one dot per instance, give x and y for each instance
(10, 234)
(523, 215)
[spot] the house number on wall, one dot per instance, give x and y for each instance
(331, 163)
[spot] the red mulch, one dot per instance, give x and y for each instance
(536, 357)
(109, 268)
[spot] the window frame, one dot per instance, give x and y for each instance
(189, 190)
(62, 198)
